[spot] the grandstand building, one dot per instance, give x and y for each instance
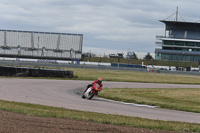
(40, 45)
(181, 41)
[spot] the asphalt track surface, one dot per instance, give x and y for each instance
(63, 93)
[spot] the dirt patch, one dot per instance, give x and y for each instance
(18, 123)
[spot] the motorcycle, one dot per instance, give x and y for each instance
(90, 92)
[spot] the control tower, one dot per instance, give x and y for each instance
(181, 41)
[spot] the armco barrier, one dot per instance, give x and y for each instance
(34, 72)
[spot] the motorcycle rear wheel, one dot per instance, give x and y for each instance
(91, 95)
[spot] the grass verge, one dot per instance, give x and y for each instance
(133, 76)
(183, 99)
(126, 76)
(46, 111)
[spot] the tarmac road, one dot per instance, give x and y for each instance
(62, 93)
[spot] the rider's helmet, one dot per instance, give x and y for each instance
(99, 80)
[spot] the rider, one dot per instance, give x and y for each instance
(98, 81)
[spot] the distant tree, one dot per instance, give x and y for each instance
(131, 55)
(112, 56)
(135, 56)
(88, 54)
(148, 57)
(120, 55)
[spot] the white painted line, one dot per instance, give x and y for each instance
(139, 105)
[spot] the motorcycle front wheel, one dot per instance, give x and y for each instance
(83, 95)
(91, 95)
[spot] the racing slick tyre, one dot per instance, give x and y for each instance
(83, 95)
(91, 95)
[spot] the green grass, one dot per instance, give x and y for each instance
(176, 99)
(46, 111)
(147, 96)
(139, 61)
(127, 76)
(133, 76)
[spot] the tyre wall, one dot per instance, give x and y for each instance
(34, 72)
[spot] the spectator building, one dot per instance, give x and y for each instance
(41, 45)
(181, 41)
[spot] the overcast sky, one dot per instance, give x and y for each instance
(108, 26)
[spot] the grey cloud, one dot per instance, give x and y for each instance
(119, 24)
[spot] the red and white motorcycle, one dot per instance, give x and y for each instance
(91, 91)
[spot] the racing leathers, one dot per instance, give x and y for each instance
(100, 85)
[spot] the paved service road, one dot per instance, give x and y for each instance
(61, 93)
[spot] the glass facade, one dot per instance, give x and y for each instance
(182, 42)
(171, 57)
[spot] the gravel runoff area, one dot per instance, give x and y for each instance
(18, 123)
